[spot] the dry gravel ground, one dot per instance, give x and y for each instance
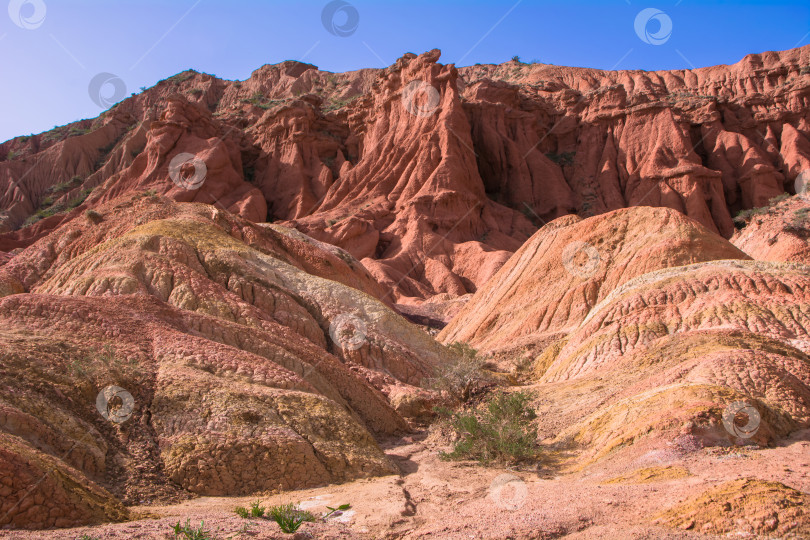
(436, 499)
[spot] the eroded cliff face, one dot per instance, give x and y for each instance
(429, 174)
(707, 142)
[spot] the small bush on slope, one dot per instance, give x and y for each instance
(461, 376)
(502, 431)
(799, 224)
(744, 216)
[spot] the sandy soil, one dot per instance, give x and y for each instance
(437, 499)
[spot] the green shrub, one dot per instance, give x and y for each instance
(100, 364)
(181, 77)
(43, 213)
(60, 132)
(501, 432)
(151, 193)
(256, 510)
(79, 199)
(54, 134)
(260, 100)
(289, 517)
(66, 185)
(104, 153)
(48, 207)
(335, 104)
(242, 512)
(744, 215)
(190, 533)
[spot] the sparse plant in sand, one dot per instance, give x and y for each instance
(289, 516)
(501, 431)
(188, 532)
(335, 511)
(244, 529)
(256, 510)
(242, 512)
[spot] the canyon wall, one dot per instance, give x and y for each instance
(429, 174)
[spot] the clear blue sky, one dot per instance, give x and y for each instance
(46, 69)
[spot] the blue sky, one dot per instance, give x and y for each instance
(47, 67)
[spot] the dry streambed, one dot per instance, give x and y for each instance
(708, 493)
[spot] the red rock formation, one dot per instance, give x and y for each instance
(433, 175)
(261, 357)
(704, 142)
(415, 201)
(186, 128)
